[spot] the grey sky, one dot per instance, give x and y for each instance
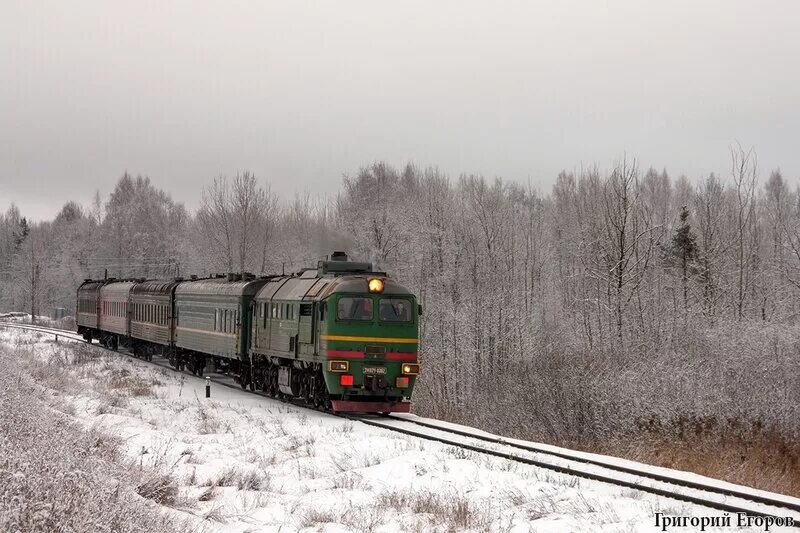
(301, 92)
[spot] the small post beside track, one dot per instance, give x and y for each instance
(208, 387)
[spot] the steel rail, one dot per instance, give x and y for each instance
(725, 491)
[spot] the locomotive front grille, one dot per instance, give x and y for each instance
(375, 350)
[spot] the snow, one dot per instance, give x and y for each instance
(605, 459)
(248, 463)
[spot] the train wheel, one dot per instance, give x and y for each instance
(244, 376)
(273, 382)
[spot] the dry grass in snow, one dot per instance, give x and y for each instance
(137, 444)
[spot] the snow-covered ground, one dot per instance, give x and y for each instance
(240, 462)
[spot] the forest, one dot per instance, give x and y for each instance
(623, 310)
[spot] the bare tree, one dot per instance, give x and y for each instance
(216, 220)
(744, 173)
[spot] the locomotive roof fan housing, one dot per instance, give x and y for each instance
(340, 263)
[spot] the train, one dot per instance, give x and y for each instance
(341, 336)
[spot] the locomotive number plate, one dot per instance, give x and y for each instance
(375, 370)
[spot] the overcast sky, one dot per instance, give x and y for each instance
(302, 92)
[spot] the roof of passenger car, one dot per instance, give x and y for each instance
(116, 288)
(220, 287)
(154, 286)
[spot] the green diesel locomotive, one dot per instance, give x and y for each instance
(340, 336)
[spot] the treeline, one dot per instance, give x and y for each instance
(540, 308)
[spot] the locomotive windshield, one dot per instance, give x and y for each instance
(395, 310)
(354, 309)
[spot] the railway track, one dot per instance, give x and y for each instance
(722, 497)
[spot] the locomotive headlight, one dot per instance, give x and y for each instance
(411, 369)
(338, 366)
(375, 285)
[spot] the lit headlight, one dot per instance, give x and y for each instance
(411, 369)
(375, 285)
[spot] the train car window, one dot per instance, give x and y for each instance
(354, 309)
(395, 310)
(274, 309)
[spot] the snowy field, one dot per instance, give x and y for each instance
(243, 463)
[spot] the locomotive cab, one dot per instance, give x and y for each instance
(369, 333)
